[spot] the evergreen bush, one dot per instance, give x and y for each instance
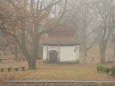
(101, 68)
(113, 70)
(107, 70)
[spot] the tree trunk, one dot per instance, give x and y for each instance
(32, 63)
(114, 50)
(81, 47)
(102, 59)
(31, 60)
(84, 48)
(102, 55)
(16, 52)
(84, 43)
(4, 51)
(85, 51)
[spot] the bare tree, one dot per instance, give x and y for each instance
(106, 12)
(85, 20)
(26, 18)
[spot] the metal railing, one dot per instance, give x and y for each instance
(64, 82)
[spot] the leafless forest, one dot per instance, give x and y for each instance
(25, 24)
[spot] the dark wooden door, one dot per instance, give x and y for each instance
(53, 56)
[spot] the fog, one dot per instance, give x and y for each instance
(70, 42)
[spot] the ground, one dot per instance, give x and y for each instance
(85, 71)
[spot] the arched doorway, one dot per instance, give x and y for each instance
(53, 56)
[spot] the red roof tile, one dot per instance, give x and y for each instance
(61, 36)
(63, 32)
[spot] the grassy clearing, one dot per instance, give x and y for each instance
(86, 70)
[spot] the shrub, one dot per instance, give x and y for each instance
(113, 70)
(107, 70)
(98, 68)
(101, 68)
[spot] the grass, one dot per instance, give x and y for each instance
(85, 71)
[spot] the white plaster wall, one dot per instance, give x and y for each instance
(67, 53)
(44, 53)
(77, 52)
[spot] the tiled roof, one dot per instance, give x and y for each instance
(62, 36)
(60, 42)
(60, 31)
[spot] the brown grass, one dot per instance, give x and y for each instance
(85, 71)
